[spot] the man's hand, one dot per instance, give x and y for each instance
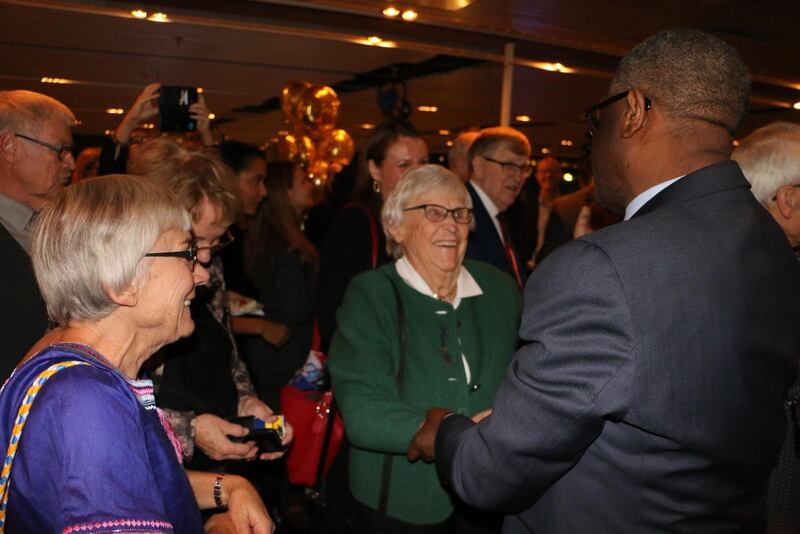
(275, 333)
(480, 416)
(211, 435)
(254, 406)
(423, 442)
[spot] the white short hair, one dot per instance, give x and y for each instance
(22, 109)
(92, 240)
(414, 184)
(770, 158)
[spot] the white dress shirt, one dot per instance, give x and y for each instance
(645, 196)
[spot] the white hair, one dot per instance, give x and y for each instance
(413, 185)
(770, 158)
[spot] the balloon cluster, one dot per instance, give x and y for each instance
(314, 142)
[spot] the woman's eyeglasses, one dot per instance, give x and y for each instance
(437, 213)
(189, 255)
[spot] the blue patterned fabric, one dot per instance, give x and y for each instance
(94, 456)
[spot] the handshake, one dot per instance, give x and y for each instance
(424, 441)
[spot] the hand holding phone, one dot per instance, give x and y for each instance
(173, 108)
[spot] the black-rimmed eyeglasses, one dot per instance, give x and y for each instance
(510, 168)
(592, 115)
(436, 213)
(61, 151)
(189, 255)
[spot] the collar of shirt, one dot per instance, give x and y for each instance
(466, 286)
(16, 217)
(645, 196)
(490, 208)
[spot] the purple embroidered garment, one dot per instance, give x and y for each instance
(93, 457)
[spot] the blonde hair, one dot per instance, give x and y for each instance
(414, 184)
(92, 239)
(21, 109)
(191, 175)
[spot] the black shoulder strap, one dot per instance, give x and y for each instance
(386, 476)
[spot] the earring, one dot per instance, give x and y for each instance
(376, 186)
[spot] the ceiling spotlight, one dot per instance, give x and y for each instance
(566, 142)
(115, 111)
(158, 17)
(199, 90)
(139, 14)
(428, 109)
(449, 143)
(568, 177)
(735, 142)
(409, 15)
(148, 126)
(522, 118)
(366, 126)
(48, 79)
(444, 132)
(545, 151)
(108, 132)
(391, 12)
(796, 105)
(211, 116)
(374, 39)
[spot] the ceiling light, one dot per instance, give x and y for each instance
(366, 126)
(47, 79)
(115, 111)
(139, 14)
(545, 151)
(522, 118)
(211, 116)
(108, 132)
(148, 126)
(796, 105)
(428, 109)
(444, 132)
(566, 142)
(449, 143)
(374, 39)
(391, 12)
(410, 15)
(568, 177)
(735, 142)
(158, 17)
(199, 90)
(552, 67)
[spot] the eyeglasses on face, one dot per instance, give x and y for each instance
(61, 151)
(592, 115)
(510, 168)
(223, 242)
(189, 255)
(436, 213)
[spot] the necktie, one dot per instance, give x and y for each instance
(510, 255)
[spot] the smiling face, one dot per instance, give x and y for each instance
(501, 187)
(433, 247)
(251, 185)
(405, 154)
(163, 300)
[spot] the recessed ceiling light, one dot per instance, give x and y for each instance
(148, 126)
(428, 109)
(522, 118)
(796, 105)
(410, 15)
(449, 143)
(374, 39)
(391, 12)
(735, 142)
(115, 111)
(566, 142)
(444, 132)
(211, 116)
(139, 14)
(199, 90)
(366, 126)
(545, 151)
(568, 177)
(47, 79)
(158, 17)
(108, 132)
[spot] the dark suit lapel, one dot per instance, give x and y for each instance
(706, 181)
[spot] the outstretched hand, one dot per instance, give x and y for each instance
(423, 443)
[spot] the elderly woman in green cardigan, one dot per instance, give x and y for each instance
(430, 329)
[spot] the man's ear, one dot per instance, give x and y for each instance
(477, 166)
(636, 113)
(788, 201)
(128, 296)
(8, 147)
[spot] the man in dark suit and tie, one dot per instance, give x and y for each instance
(499, 161)
(36, 162)
(657, 351)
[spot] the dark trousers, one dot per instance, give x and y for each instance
(463, 521)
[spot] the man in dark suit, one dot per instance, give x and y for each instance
(499, 162)
(35, 164)
(647, 396)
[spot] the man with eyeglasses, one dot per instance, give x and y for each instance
(499, 161)
(36, 162)
(647, 395)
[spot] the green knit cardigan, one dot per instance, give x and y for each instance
(380, 415)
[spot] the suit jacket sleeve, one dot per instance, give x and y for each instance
(573, 372)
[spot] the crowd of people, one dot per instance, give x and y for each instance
(619, 359)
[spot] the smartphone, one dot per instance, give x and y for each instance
(173, 108)
(267, 436)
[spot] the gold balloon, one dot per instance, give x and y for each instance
(319, 108)
(337, 148)
(290, 97)
(318, 172)
(294, 148)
